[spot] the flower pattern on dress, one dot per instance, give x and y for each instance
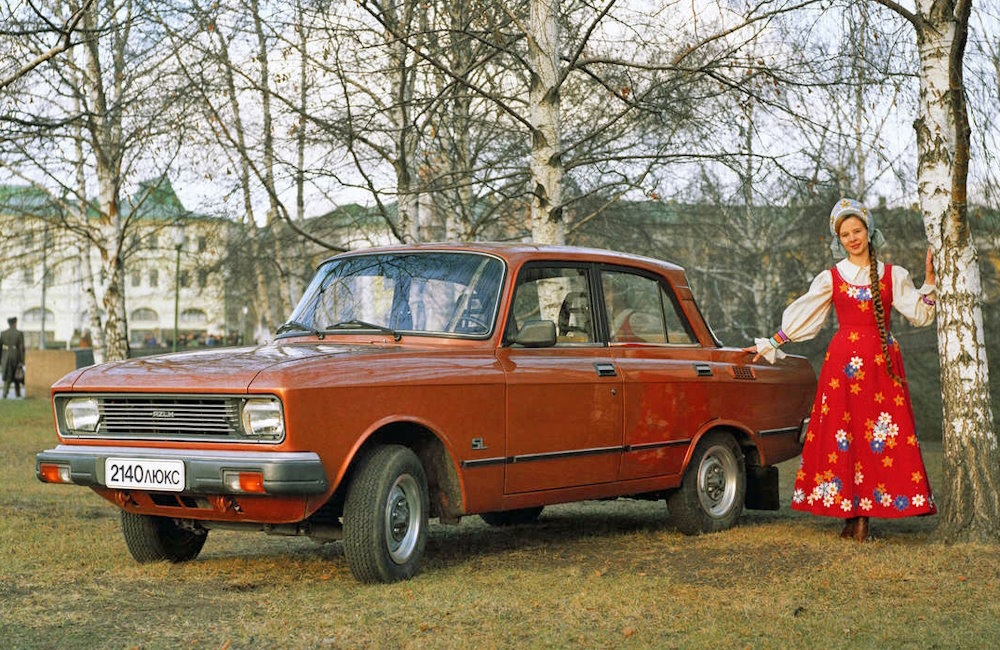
(826, 492)
(843, 440)
(860, 294)
(884, 433)
(854, 367)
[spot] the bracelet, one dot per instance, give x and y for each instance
(927, 300)
(779, 339)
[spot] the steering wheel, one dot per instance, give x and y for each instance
(470, 324)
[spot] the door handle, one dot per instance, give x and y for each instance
(605, 369)
(703, 369)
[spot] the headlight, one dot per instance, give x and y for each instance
(262, 418)
(82, 415)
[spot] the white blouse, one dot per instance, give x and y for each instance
(804, 318)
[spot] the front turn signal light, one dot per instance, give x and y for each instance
(54, 473)
(249, 482)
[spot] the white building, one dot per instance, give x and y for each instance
(169, 282)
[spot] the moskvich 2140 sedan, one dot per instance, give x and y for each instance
(436, 381)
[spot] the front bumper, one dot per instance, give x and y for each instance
(285, 473)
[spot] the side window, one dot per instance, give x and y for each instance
(557, 294)
(640, 310)
(678, 330)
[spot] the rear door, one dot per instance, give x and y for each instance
(667, 374)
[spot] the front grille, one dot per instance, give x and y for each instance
(179, 417)
(162, 417)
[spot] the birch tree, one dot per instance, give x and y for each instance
(97, 107)
(970, 509)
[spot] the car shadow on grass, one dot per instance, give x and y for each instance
(621, 534)
(560, 529)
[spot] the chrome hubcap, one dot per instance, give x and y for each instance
(717, 476)
(402, 518)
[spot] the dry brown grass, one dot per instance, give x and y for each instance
(609, 574)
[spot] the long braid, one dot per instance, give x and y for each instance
(883, 332)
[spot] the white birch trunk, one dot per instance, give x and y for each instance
(273, 216)
(93, 306)
(547, 225)
(107, 132)
(261, 298)
(970, 508)
(112, 238)
(398, 18)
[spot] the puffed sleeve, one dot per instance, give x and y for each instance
(909, 301)
(804, 318)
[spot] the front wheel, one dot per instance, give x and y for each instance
(158, 539)
(713, 490)
(385, 516)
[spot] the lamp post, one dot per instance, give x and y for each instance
(178, 245)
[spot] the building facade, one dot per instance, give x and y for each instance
(174, 272)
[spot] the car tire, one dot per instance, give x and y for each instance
(159, 539)
(512, 517)
(713, 490)
(385, 516)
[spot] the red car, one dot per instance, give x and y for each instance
(437, 381)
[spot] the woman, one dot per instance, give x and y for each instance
(861, 457)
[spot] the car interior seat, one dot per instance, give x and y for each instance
(575, 323)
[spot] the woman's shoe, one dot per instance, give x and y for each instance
(861, 529)
(849, 525)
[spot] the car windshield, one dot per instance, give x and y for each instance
(431, 293)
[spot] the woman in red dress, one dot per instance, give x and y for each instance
(861, 456)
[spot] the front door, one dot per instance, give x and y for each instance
(564, 403)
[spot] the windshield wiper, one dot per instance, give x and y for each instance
(355, 324)
(295, 325)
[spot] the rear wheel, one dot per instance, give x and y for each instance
(385, 516)
(512, 517)
(713, 490)
(158, 539)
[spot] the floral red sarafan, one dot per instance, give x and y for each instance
(861, 455)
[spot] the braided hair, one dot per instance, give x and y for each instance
(883, 331)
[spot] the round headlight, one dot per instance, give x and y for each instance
(82, 415)
(263, 419)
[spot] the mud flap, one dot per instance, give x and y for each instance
(762, 488)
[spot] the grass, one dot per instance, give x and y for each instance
(598, 574)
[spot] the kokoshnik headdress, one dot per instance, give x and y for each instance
(852, 208)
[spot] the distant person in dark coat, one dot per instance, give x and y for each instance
(12, 357)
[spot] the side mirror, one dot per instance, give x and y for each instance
(536, 334)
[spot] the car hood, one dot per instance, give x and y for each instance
(219, 370)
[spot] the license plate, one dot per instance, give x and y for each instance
(139, 474)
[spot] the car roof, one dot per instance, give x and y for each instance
(516, 253)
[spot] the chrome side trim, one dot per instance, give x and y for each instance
(572, 453)
(551, 455)
(658, 445)
(785, 431)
